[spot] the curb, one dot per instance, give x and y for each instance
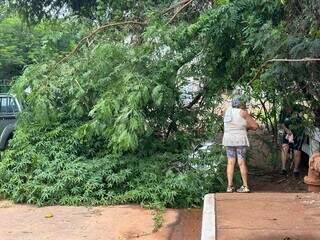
(208, 231)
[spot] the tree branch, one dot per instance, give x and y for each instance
(195, 100)
(173, 125)
(179, 10)
(307, 59)
(176, 5)
(281, 60)
(89, 37)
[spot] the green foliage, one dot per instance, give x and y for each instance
(158, 219)
(296, 83)
(15, 41)
(52, 169)
(35, 10)
(21, 45)
(109, 124)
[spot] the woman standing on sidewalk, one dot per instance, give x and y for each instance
(237, 121)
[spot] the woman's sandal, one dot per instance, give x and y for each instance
(230, 189)
(243, 189)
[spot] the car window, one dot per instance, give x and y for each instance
(8, 106)
(13, 105)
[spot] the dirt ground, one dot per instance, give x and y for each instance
(273, 181)
(25, 222)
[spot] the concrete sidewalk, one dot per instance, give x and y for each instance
(267, 216)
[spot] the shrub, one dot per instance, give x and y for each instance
(44, 172)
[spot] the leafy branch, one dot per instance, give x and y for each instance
(179, 10)
(176, 5)
(264, 65)
(89, 37)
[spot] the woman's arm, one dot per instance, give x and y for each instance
(287, 130)
(251, 123)
(282, 123)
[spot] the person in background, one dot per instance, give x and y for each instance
(237, 121)
(314, 136)
(293, 137)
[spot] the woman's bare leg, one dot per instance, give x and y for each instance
(230, 171)
(244, 171)
(284, 155)
(297, 159)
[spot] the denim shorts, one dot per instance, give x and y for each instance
(297, 142)
(238, 152)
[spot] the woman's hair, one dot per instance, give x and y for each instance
(238, 102)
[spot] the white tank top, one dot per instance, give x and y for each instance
(235, 129)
